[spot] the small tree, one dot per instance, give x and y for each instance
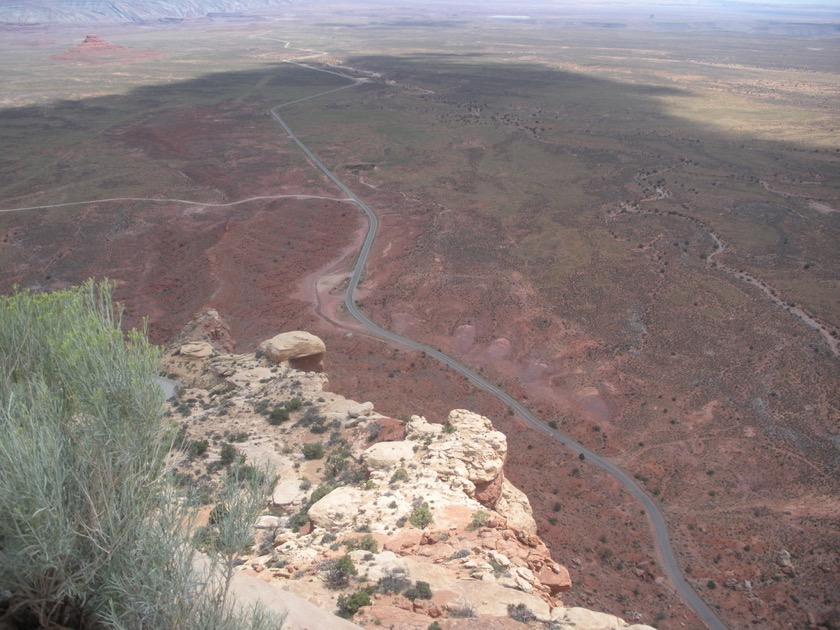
(421, 517)
(338, 571)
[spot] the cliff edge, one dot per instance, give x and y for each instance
(401, 523)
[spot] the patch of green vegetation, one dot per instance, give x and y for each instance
(421, 516)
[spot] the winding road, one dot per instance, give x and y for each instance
(655, 517)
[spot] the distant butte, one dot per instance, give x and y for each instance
(94, 49)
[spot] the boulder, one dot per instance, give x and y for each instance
(386, 455)
(292, 345)
(555, 577)
(337, 509)
(360, 409)
(287, 493)
(266, 521)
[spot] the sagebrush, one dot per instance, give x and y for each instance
(93, 534)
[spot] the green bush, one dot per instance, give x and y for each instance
(92, 531)
(400, 474)
(313, 450)
(197, 448)
(228, 453)
(366, 542)
(420, 590)
(421, 516)
(479, 520)
(278, 415)
(348, 605)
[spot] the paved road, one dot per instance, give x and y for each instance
(657, 521)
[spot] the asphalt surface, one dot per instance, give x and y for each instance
(657, 521)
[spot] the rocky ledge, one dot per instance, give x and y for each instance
(401, 523)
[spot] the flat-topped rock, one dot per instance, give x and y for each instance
(295, 344)
(196, 350)
(386, 455)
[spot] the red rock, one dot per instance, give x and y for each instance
(94, 48)
(555, 577)
(488, 493)
(430, 538)
(404, 540)
(390, 430)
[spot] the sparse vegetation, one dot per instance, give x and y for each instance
(479, 519)
(462, 609)
(394, 581)
(521, 613)
(366, 542)
(338, 571)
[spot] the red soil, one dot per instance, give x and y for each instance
(270, 266)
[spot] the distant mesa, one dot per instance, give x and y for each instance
(94, 49)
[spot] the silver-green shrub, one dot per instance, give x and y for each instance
(92, 533)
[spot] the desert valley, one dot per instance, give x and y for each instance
(626, 219)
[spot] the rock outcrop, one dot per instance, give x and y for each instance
(196, 350)
(93, 48)
(301, 349)
(431, 508)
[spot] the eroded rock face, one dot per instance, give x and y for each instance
(295, 345)
(470, 452)
(208, 326)
(196, 350)
(515, 507)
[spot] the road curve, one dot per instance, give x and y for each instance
(657, 521)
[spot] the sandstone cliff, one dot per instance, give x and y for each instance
(400, 523)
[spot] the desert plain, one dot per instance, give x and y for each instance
(631, 225)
